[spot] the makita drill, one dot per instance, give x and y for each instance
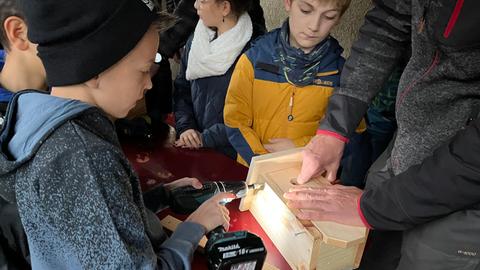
(224, 250)
(185, 200)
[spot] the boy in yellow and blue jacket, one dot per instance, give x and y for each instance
(280, 88)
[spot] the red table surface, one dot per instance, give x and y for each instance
(155, 164)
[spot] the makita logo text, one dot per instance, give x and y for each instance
(227, 248)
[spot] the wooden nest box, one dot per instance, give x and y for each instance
(304, 244)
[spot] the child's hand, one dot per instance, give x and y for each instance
(190, 138)
(212, 214)
(280, 144)
(186, 181)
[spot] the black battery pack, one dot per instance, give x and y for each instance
(239, 250)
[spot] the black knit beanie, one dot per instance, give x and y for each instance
(78, 40)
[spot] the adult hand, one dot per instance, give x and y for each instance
(190, 138)
(279, 144)
(322, 155)
(331, 203)
(186, 181)
(212, 214)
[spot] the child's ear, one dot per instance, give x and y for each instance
(288, 4)
(16, 33)
(227, 8)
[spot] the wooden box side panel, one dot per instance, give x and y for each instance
(266, 163)
(295, 243)
(343, 236)
(360, 249)
(334, 258)
(344, 244)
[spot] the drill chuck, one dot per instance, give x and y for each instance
(185, 200)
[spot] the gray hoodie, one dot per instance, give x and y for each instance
(79, 199)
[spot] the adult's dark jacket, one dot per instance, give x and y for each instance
(434, 190)
(176, 37)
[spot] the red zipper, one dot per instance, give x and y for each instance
(436, 60)
(453, 18)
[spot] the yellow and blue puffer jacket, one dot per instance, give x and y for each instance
(261, 104)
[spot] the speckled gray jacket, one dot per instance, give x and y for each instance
(79, 199)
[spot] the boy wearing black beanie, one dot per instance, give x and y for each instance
(79, 199)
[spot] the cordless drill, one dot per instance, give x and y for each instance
(224, 250)
(186, 199)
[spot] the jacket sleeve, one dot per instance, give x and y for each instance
(175, 37)
(156, 198)
(182, 98)
(302, 141)
(98, 215)
(215, 136)
(383, 39)
(446, 182)
(238, 112)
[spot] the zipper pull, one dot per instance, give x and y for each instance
(290, 105)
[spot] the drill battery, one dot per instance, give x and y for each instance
(239, 250)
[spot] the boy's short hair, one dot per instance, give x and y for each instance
(342, 5)
(75, 49)
(8, 8)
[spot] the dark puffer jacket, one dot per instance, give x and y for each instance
(198, 104)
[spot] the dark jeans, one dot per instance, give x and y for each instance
(354, 165)
(363, 149)
(380, 130)
(382, 251)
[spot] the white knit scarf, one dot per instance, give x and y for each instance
(213, 58)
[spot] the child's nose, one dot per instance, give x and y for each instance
(315, 23)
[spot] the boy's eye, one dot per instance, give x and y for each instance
(330, 18)
(305, 11)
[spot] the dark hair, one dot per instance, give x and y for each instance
(239, 6)
(8, 8)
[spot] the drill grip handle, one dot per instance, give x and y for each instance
(218, 230)
(185, 200)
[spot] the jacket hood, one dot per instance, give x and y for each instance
(31, 117)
